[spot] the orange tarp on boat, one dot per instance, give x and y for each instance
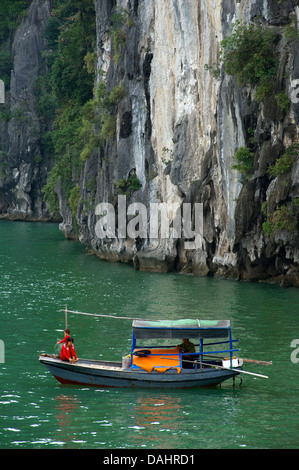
(155, 361)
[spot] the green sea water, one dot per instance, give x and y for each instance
(41, 272)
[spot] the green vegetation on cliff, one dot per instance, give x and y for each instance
(282, 218)
(127, 186)
(11, 14)
(81, 118)
(66, 91)
(248, 53)
(285, 162)
(245, 159)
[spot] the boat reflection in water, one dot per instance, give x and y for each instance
(156, 413)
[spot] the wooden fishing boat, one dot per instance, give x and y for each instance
(159, 366)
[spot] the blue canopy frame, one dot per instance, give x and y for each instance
(187, 328)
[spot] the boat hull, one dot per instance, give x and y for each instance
(111, 374)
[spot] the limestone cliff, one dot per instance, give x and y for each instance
(178, 126)
(185, 128)
(23, 163)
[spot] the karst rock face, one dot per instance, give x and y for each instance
(24, 167)
(178, 128)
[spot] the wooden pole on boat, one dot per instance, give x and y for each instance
(238, 370)
(65, 316)
(250, 361)
(262, 363)
(220, 367)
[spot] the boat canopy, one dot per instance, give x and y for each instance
(188, 328)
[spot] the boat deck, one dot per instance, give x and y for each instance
(89, 363)
(94, 364)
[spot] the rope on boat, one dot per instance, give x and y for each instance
(65, 310)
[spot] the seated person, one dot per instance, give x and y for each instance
(73, 352)
(187, 347)
(68, 352)
(66, 335)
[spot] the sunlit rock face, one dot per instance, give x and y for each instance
(178, 129)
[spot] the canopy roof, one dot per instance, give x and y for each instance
(187, 328)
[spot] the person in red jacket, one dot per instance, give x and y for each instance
(73, 352)
(66, 335)
(68, 352)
